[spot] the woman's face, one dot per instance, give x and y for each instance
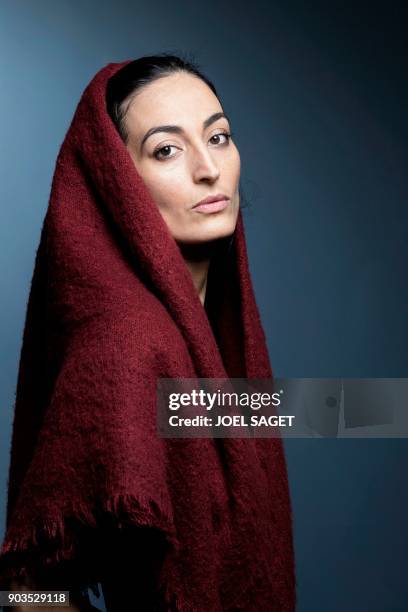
(188, 157)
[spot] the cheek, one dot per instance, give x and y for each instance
(232, 168)
(237, 165)
(167, 190)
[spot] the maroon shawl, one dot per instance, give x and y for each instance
(112, 308)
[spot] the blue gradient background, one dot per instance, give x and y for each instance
(317, 93)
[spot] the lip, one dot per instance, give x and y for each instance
(213, 203)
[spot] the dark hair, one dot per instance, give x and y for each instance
(126, 82)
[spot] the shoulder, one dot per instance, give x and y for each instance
(137, 328)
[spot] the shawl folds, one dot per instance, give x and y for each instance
(112, 308)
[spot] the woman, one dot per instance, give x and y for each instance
(138, 279)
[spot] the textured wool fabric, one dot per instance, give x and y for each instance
(112, 308)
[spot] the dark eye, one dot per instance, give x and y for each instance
(164, 150)
(217, 136)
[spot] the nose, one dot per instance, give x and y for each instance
(204, 167)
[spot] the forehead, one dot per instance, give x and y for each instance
(179, 98)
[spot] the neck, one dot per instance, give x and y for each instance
(197, 258)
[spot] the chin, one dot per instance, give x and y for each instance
(214, 229)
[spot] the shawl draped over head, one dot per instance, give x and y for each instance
(112, 308)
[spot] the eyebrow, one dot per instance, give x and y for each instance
(176, 129)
